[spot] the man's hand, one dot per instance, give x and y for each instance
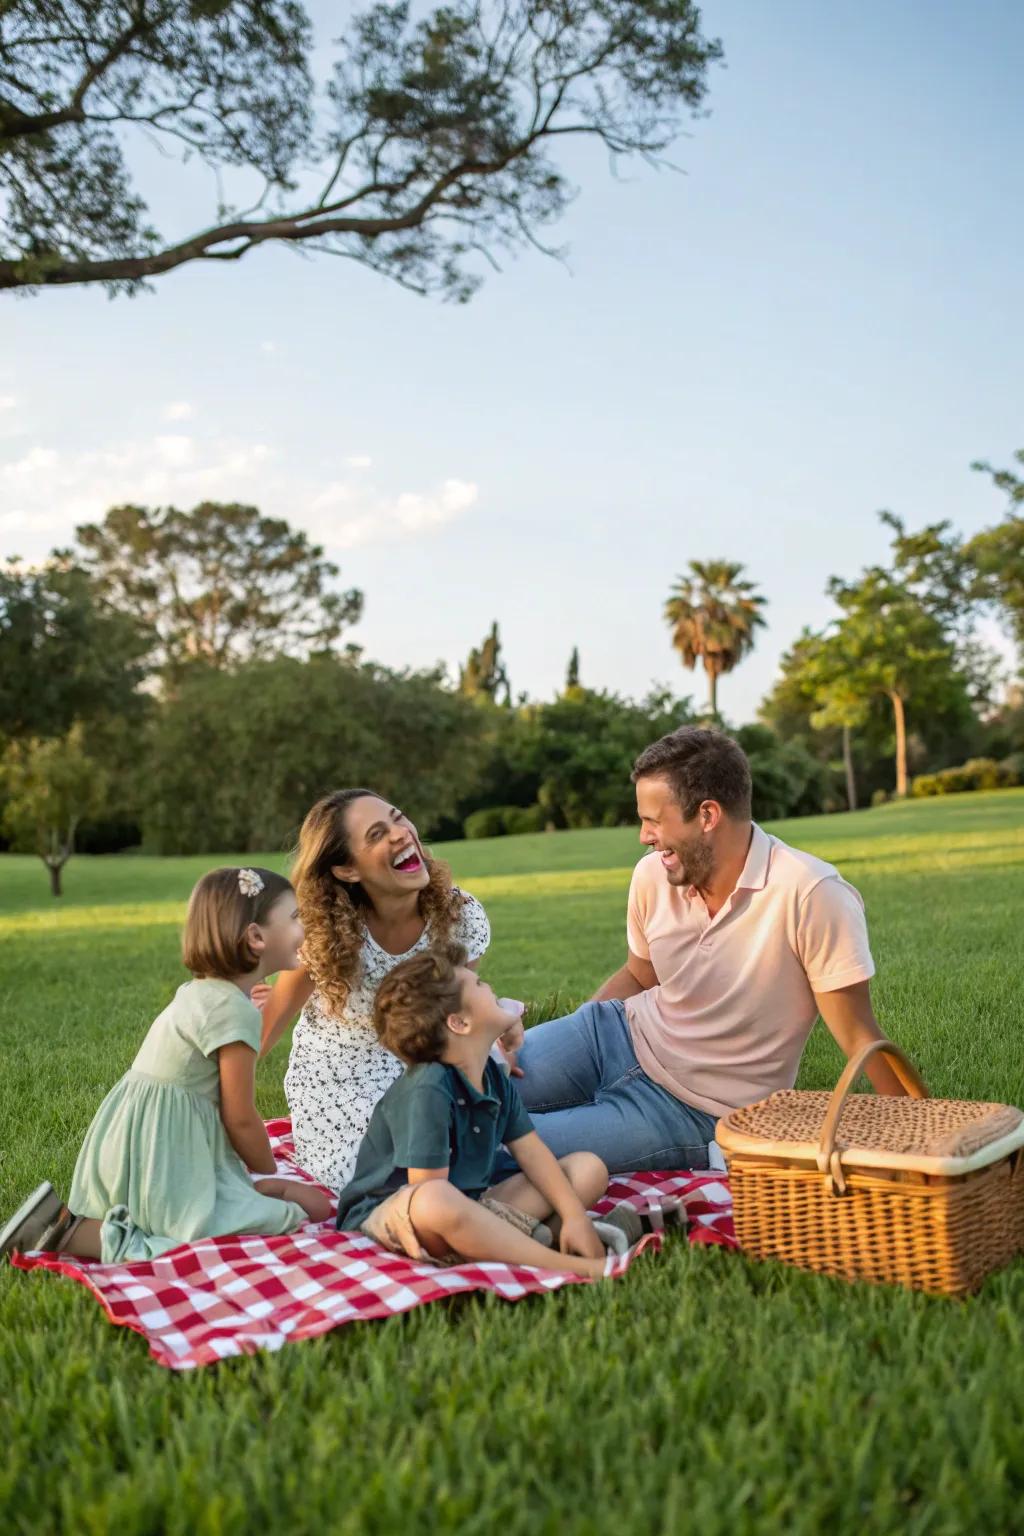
(259, 994)
(512, 1039)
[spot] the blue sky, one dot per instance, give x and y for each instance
(821, 318)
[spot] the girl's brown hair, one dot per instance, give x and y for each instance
(333, 911)
(214, 942)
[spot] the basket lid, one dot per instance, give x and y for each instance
(943, 1136)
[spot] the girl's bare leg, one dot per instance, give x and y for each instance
(448, 1221)
(585, 1172)
(84, 1241)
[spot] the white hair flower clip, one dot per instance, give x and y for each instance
(249, 882)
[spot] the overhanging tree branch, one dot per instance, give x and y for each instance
(438, 151)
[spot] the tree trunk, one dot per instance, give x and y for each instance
(901, 746)
(712, 689)
(56, 869)
(851, 782)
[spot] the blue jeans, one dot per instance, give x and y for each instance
(586, 1092)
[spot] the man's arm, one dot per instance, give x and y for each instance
(635, 976)
(851, 1019)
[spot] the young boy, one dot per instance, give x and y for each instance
(423, 1179)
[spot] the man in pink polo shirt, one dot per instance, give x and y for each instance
(736, 943)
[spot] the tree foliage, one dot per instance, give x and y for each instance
(219, 584)
(714, 613)
(64, 653)
(236, 758)
(997, 554)
(51, 786)
(435, 141)
(582, 747)
(484, 674)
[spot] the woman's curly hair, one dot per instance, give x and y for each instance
(333, 912)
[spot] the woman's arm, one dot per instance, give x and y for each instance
(289, 995)
(245, 1130)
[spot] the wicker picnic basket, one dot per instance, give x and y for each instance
(926, 1193)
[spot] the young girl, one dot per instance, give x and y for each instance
(164, 1161)
(369, 897)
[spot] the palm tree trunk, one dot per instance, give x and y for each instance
(851, 782)
(712, 689)
(901, 745)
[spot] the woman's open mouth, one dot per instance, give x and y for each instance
(407, 861)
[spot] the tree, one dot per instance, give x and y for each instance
(51, 787)
(583, 746)
(437, 146)
(572, 671)
(64, 653)
(236, 758)
(997, 554)
(219, 584)
(888, 642)
(713, 614)
(484, 674)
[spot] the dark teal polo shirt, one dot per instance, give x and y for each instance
(433, 1117)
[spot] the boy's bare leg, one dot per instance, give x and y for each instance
(585, 1172)
(447, 1221)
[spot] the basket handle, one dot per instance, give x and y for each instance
(829, 1160)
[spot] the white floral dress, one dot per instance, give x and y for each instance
(338, 1070)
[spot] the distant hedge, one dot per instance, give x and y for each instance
(504, 820)
(978, 773)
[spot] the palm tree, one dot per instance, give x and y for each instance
(713, 614)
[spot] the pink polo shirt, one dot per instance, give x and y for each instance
(727, 1023)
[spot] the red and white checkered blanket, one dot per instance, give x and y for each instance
(235, 1295)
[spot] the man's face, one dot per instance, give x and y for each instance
(687, 853)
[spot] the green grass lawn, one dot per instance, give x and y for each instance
(701, 1393)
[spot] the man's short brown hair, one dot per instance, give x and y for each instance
(219, 913)
(413, 1002)
(699, 763)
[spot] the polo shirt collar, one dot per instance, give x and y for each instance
(476, 1097)
(754, 875)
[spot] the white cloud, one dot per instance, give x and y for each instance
(45, 493)
(359, 461)
(7, 402)
(270, 347)
(342, 515)
(179, 410)
(175, 451)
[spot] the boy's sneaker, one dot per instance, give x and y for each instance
(622, 1226)
(39, 1223)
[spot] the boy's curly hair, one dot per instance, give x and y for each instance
(411, 1008)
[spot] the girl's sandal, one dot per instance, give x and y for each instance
(33, 1222)
(42, 1224)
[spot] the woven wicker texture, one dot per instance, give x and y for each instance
(922, 1127)
(941, 1235)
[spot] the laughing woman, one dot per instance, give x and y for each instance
(369, 897)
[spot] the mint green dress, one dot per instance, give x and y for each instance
(156, 1166)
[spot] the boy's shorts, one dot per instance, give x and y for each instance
(391, 1225)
